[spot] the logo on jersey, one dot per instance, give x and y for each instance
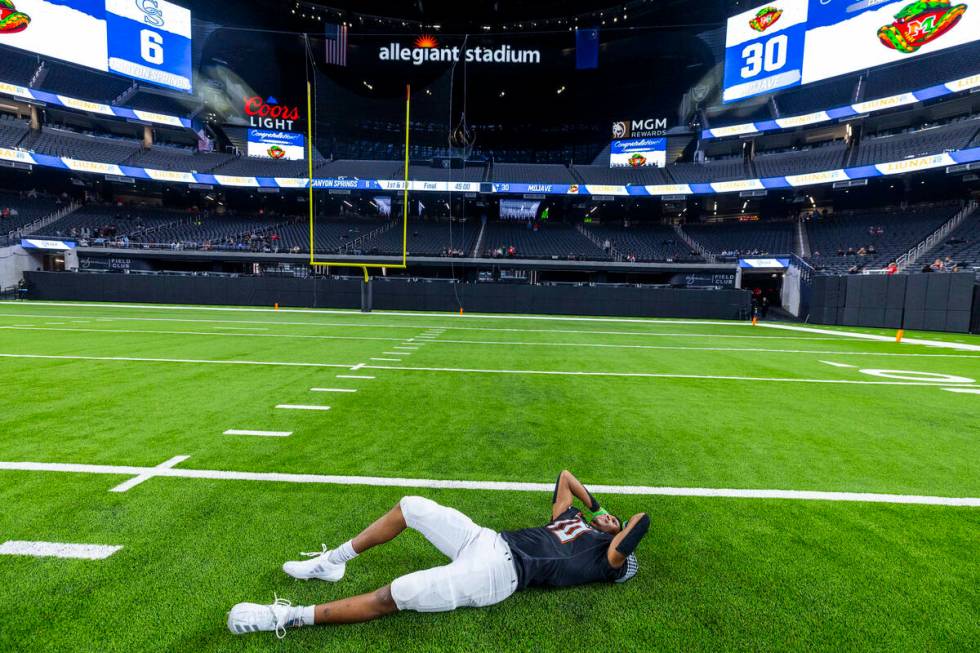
(765, 18)
(919, 23)
(11, 20)
(568, 530)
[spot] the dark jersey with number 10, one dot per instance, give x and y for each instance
(565, 552)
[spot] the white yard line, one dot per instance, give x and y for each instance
(415, 327)
(506, 486)
(301, 407)
(332, 390)
(290, 336)
(388, 360)
(966, 391)
(148, 474)
(397, 353)
(132, 359)
(263, 434)
(461, 370)
(870, 336)
(230, 328)
(57, 550)
(832, 364)
(503, 343)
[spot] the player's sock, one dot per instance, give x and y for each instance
(305, 614)
(342, 553)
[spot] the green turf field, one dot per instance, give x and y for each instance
(116, 389)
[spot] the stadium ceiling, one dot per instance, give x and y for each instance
(503, 15)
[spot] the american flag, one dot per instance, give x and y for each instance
(336, 36)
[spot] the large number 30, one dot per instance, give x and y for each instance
(769, 56)
(151, 47)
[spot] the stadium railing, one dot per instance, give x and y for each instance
(913, 255)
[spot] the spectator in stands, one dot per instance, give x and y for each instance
(938, 265)
(892, 268)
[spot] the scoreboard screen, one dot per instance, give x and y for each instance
(792, 42)
(148, 40)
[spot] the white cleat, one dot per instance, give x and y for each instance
(319, 567)
(254, 618)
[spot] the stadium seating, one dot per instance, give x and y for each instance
(97, 224)
(162, 157)
(525, 173)
(23, 210)
(157, 103)
(63, 143)
(836, 240)
(547, 241)
(429, 173)
(648, 243)
(361, 169)
(929, 140)
(709, 171)
(17, 67)
(254, 167)
(816, 97)
(12, 130)
(924, 72)
(81, 83)
(599, 174)
(797, 162)
(962, 246)
(729, 239)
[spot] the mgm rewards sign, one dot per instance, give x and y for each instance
(428, 50)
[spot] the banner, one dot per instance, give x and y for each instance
(276, 145)
(638, 153)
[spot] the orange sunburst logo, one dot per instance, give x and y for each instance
(426, 41)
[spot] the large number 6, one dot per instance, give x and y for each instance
(774, 57)
(151, 47)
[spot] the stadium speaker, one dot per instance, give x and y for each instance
(937, 292)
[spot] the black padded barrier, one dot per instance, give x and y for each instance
(929, 302)
(391, 294)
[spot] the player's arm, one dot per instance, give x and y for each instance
(567, 489)
(628, 539)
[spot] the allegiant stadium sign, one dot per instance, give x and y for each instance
(428, 50)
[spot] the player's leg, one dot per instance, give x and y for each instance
(447, 529)
(330, 564)
(253, 617)
(482, 575)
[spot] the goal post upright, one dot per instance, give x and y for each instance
(349, 264)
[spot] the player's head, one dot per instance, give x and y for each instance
(607, 524)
